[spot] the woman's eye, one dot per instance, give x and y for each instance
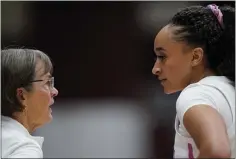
(48, 83)
(160, 58)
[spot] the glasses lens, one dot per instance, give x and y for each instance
(52, 82)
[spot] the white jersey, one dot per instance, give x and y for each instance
(215, 91)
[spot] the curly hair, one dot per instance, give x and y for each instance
(199, 27)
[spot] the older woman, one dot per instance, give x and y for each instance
(27, 94)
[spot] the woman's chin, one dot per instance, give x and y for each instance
(171, 91)
(49, 116)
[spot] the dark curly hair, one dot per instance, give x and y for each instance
(199, 27)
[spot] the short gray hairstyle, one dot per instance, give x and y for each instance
(18, 70)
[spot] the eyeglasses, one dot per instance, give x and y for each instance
(50, 81)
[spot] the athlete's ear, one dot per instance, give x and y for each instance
(197, 56)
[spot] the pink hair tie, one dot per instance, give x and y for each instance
(215, 9)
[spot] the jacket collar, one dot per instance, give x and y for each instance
(14, 124)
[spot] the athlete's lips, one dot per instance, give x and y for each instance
(162, 79)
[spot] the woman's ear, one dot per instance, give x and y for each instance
(21, 95)
(197, 56)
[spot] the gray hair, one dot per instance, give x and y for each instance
(18, 70)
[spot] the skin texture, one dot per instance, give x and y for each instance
(176, 62)
(209, 131)
(37, 102)
(180, 65)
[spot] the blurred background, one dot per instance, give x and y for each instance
(109, 103)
